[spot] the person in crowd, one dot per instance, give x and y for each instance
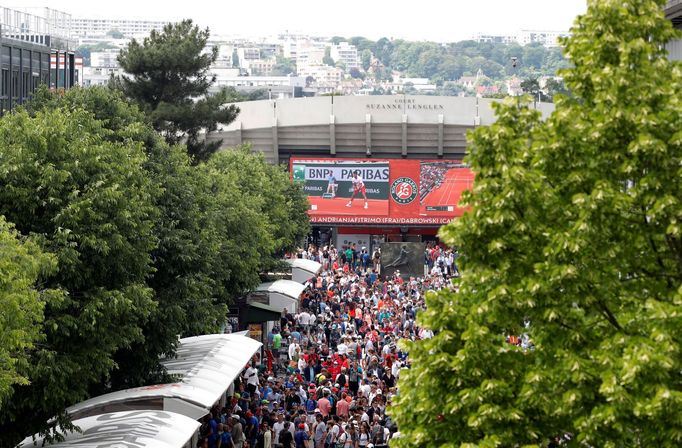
(341, 358)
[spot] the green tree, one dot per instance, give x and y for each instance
(115, 34)
(22, 265)
(366, 58)
(574, 239)
(88, 202)
(531, 86)
(554, 87)
(235, 58)
(327, 58)
(283, 66)
(282, 204)
(534, 55)
(85, 51)
(169, 77)
(192, 280)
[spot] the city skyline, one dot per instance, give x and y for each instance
(431, 21)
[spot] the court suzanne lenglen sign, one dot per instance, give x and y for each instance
(401, 192)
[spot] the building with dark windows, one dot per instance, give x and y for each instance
(34, 50)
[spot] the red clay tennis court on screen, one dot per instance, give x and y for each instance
(337, 206)
(441, 187)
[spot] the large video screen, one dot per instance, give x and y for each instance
(364, 191)
(441, 184)
(344, 187)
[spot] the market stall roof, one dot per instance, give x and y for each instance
(205, 367)
(259, 312)
(142, 429)
(287, 288)
(307, 265)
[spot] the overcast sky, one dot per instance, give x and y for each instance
(444, 20)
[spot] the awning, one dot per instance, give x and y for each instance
(205, 367)
(303, 270)
(287, 288)
(283, 294)
(259, 312)
(143, 429)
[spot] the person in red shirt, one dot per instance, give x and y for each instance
(324, 405)
(342, 406)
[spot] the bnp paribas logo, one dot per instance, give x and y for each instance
(403, 190)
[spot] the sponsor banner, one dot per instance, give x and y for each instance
(320, 177)
(345, 186)
(398, 192)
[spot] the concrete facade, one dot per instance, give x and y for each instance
(387, 127)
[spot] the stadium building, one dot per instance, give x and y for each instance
(407, 150)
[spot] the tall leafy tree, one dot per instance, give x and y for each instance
(22, 264)
(168, 76)
(269, 190)
(574, 240)
(87, 201)
(211, 243)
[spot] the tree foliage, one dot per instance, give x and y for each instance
(148, 246)
(22, 265)
(574, 238)
(168, 77)
(452, 61)
(281, 203)
(88, 202)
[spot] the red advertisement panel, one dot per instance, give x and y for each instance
(369, 191)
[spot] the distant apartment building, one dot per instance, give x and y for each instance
(248, 54)
(259, 67)
(100, 27)
(523, 37)
(99, 76)
(421, 85)
(345, 53)
(224, 59)
(493, 38)
(105, 58)
(324, 75)
(673, 11)
(276, 86)
(546, 38)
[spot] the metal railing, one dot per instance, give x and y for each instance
(46, 29)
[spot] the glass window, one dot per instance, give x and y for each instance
(15, 84)
(25, 80)
(4, 84)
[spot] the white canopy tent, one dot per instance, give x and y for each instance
(144, 429)
(303, 270)
(283, 294)
(205, 367)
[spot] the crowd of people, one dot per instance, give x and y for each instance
(330, 371)
(430, 178)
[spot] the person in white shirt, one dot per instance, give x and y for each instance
(365, 388)
(294, 351)
(358, 187)
(312, 320)
(251, 378)
(277, 428)
(342, 348)
(303, 318)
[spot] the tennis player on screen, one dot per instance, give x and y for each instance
(358, 187)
